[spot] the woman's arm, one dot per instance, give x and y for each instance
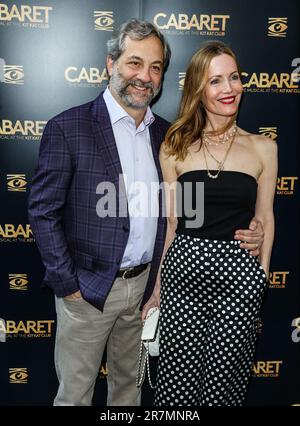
(170, 181)
(267, 150)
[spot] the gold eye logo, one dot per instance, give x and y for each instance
(181, 77)
(103, 21)
(18, 375)
(18, 281)
(16, 183)
(277, 27)
(13, 74)
(270, 132)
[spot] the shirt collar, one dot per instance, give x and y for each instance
(116, 112)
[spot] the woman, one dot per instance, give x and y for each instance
(211, 289)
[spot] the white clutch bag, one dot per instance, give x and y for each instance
(149, 345)
(150, 333)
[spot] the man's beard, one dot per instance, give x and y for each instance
(119, 84)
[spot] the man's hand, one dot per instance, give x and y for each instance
(74, 296)
(252, 238)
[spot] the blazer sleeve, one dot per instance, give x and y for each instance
(48, 194)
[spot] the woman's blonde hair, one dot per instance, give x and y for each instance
(192, 116)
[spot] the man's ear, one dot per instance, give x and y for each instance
(109, 65)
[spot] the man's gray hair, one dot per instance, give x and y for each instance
(136, 29)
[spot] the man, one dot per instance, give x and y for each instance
(99, 267)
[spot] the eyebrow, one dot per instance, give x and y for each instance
(137, 58)
(233, 72)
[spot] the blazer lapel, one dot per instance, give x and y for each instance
(155, 137)
(107, 145)
(105, 139)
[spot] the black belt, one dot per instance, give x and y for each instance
(131, 272)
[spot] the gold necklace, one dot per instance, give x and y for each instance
(212, 156)
(226, 136)
(220, 163)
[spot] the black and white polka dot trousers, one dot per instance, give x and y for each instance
(211, 295)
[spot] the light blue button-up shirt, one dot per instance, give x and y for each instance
(140, 178)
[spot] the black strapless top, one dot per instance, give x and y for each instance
(229, 203)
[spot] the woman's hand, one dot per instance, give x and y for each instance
(153, 302)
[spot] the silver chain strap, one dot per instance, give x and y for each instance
(144, 362)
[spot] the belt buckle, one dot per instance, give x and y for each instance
(124, 273)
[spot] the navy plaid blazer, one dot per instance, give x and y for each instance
(79, 249)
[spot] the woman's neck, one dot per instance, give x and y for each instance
(216, 123)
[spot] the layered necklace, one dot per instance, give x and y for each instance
(208, 141)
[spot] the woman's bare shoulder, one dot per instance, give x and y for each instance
(260, 142)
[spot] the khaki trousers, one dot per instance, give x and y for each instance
(81, 336)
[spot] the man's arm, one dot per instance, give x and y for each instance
(252, 238)
(49, 190)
